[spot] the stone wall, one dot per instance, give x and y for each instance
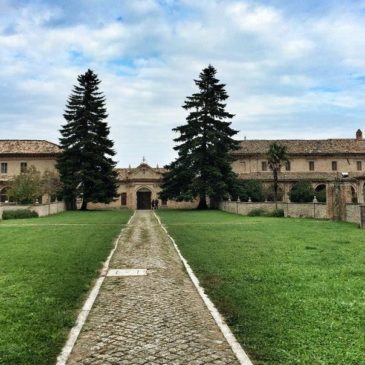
(312, 210)
(295, 210)
(43, 209)
(353, 213)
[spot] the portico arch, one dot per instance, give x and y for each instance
(320, 192)
(4, 197)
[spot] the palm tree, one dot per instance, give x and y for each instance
(277, 155)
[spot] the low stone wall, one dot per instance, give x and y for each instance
(312, 210)
(43, 209)
(308, 210)
(295, 210)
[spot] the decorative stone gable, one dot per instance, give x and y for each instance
(144, 171)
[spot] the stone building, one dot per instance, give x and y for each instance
(322, 162)
(18, 155)
(140, 185)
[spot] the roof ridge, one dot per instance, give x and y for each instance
(303, 139)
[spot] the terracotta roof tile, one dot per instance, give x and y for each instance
(313, 176)
(302, 146)
(18, 146)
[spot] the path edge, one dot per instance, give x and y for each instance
(86, 308)
(237, 349)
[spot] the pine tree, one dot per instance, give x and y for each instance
(203, 167)
(86, 166)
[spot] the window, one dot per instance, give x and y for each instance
(287, 166)
(164, 202)
(334, 165)
(4, 168)
(311, 165)
(23, 167)
(124, 198)
(264, 166)
(359, 165)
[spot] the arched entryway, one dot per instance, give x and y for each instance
(144, 197)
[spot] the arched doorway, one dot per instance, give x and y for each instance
(144, 198)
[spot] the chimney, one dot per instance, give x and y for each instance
(359, 135)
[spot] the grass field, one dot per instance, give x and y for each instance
(46, 268)
(292, 290)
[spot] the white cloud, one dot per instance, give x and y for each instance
(281, 69)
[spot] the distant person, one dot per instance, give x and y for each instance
(153, 204)
(156, 204)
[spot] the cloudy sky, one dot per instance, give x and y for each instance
(293, 69)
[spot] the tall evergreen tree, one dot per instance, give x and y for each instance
(86, 166)
(203, 167)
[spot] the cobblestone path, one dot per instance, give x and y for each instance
(154, 319)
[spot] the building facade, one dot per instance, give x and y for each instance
(16, 156)
(321, 162)
(138, 186)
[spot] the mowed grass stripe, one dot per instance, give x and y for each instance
(292, 290)
(45, 274)
(59, 224)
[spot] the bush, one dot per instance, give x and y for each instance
(19, 214)
(259, 212)
(276, 213)
(302, 192)
(249, 189)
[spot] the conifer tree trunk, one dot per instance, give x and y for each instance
(202, 202)
(84, 205)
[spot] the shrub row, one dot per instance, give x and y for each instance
(19, 214)
(264, 213)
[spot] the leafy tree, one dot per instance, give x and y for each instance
(276, 155)
(302, 192)
(203, 167)
(246, 189)
(26, 187)
(51, 184)
(86, 166)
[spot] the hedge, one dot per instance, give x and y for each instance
(19, 214)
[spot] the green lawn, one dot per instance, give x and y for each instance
(47, 265)
(292, 290)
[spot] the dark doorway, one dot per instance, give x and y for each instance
(143, 200)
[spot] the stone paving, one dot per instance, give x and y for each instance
(154, 319)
